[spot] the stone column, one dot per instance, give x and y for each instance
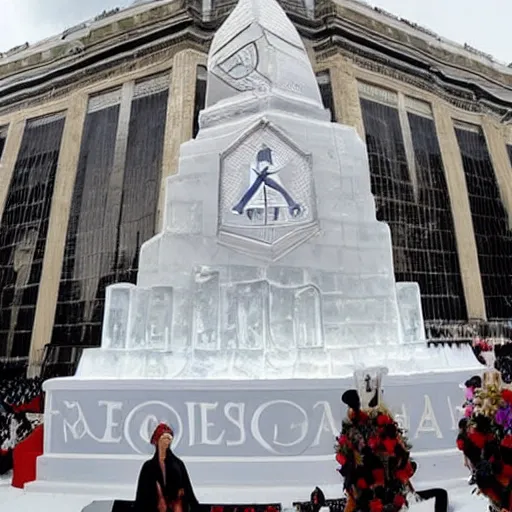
(57, 229)
(9, 157)
(180, 116)
(345, 92)
(497, 147)
(459, 200)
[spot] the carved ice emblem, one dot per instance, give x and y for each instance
(241, 64)
(266, 193)
(267, 200)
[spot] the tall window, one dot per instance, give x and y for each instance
(114, 202)
(3, 138)
(323, 79)
(324, 83)
(200, 97)
(411, 195)
(23, 231)
(490, 222)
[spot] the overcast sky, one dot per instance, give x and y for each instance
(482, 24)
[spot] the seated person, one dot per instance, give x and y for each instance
(164, 484)
(317, 499)
(440, 495)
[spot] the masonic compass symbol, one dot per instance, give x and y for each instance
(266, 196)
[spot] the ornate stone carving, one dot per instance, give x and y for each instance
(75, 48)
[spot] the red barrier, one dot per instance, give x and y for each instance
(25, 456)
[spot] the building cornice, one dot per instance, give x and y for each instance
(334, 28)
(118, 22)
(474, 93)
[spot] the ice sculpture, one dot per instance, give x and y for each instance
(271, 263)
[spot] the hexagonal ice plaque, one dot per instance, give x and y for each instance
(267, 198)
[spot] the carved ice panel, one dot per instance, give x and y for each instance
(206, 309)
(251, 303)
(281, 317)
(308, 317)
(139, 302)
(411, 313)
(159, 326)
(117, 313)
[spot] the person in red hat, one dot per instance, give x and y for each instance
(164, 484)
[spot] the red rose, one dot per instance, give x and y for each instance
(506, 394)
(217, 508)
(507, 442)
(362, 417)
(490, 493)
(342, 440)
(376, 506)
(384, 419)
(403, 475)
(460, 444)
(399, 501)
(362, 483)
(378, 476)
(373, 442)
(249, 509)
(340, 459)
(389, 445)
(507, 471)
(478, 439)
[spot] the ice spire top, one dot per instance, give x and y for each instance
(258, 50)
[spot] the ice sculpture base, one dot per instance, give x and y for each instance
(241, 435)
(314, 363)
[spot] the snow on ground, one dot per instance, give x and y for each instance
(14, 500)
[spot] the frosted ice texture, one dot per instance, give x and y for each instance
(235, 308)
(271, 263)
(411, 314)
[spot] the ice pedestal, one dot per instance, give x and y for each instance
(245, 438)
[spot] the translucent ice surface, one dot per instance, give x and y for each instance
(270, 262)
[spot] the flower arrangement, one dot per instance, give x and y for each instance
(485, 438)
(471, 386)
(374, 458)
(483, 345)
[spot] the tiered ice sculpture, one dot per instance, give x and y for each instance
(271, 263)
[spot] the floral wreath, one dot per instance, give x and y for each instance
(374, 456)
(485, 433)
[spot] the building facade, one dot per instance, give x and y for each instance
(91, 123)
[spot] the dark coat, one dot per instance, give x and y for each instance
(146, 499)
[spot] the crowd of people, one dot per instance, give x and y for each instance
(21, 405)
